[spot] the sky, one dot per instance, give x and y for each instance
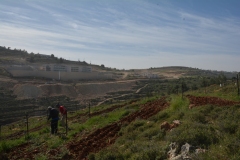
(127, 34)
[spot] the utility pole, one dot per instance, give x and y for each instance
(59, 75)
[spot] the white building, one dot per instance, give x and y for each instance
(67, 68)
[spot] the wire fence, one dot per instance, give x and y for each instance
(31, 121)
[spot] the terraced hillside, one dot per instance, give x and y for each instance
(135, 127)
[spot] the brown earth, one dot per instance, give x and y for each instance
(200, 101)
(107, 135)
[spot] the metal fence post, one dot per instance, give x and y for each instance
(182, 90)
(238, 83)
(89, 110)
(27, 124)
(66, 123)
(0, 131)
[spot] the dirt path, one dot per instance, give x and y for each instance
(141, 88)
(109, 99)
(121, 95)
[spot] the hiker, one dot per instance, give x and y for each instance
(54, 116)
(63, 112)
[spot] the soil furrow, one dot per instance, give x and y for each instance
(107, 135)
(200, 101)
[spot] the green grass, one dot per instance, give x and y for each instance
(6, 145)
(213, 128)
(228, 91)
(106, 118)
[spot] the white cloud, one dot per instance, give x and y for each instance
(138, 35)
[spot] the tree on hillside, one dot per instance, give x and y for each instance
(204, 83)
(213, 80)
(31, 59)
(194, 87)
(61, 60)
(52, 55)
(222, 78)
(184, 86)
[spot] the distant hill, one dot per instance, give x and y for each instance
(10, 56)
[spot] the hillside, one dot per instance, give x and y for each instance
(200, 125)
(136, 114)
(34, 93)
(10, 56)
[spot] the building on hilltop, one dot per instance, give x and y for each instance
(56, 71)
(67, 68)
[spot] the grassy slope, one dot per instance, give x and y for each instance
(210, 127)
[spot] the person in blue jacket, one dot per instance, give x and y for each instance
(53, 114)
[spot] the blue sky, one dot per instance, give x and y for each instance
(127, 34)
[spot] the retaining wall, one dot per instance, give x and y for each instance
(60, 75)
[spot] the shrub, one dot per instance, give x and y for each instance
(149, 151)
(40, 157)
(126, 112)
(228, 126)
(207, 109)
(4, 146)
(198, 117)
(111, 154)
(177, 103)
(154, 133)
(232, 145)
(45, 130)
(196, 134)
(161, 116)
(135, 125)
(91, 156)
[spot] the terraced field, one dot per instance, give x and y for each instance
(82, 144)
(96, 140)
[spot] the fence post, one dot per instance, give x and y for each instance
(238, 83)
(0, 131)
(27, 124)
(182, 90)
(66, 123)
(89, 110)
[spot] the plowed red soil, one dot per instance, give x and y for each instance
(22, 152)
(200, 101)
(107, 135)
